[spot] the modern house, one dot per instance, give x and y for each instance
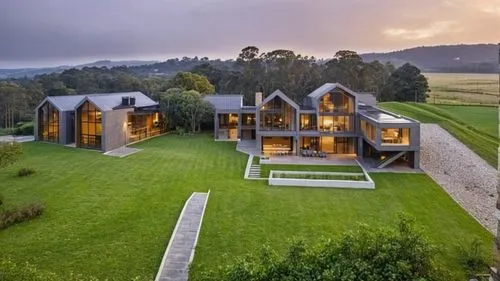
(332, 119)
(97, 121)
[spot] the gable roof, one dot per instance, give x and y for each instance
(225, 102)
(319, 92)
(63, 103)
(280, 94)
(108, 102)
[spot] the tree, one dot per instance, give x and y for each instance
(185, 109)
(405, 84)
(191, 81)
(386, 254)
(9, 153)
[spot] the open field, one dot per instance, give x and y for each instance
(475, 126)
(111, 218)
(459, 88)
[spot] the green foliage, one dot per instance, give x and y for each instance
(472, 257)
(185, 109)
(405, 84)
(385, 254)
(9, 153)
(24, 129)
(24, 172)
(14, 216)
(192, 81)
(1, 199)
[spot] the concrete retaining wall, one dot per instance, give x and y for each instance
(367, 184)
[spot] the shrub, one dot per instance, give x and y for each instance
(9, 153)
(180, 131)
(472, 257)
(398, 253)
(24, 129)
(14, 216)
(24, 172)
(1, 199)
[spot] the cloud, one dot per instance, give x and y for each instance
(40, 32)
(430, 31)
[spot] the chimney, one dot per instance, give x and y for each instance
(125, 101)
(132, 101)
(258, 98)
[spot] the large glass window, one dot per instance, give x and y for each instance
(308, 122)
(277, 115)
(395, 136)
(336, 102)
(368, 130)
(248, 119)
(335, 124)
(90, 121)
(48, 123)
(228, 120)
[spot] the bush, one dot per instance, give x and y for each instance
(472, 257)
(180, 131)
(9, 153)
(24, 172)
(24, 129)
(1, 199)
(398, 253)
(14, 216)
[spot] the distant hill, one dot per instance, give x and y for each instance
(30, 72)
(480, 58)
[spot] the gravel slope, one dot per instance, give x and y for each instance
(461, 172)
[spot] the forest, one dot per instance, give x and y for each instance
(294, 74)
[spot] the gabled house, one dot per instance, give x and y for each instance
(332, 119)
(98, 121)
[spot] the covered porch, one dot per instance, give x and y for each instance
(142, 125)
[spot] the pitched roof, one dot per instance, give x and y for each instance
(65, 103)
(280, 94)
(107, 102)
(319, 92)
(225, 102)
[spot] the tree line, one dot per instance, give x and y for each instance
(294, 74)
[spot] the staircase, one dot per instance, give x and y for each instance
(254, 172)
(389, 160)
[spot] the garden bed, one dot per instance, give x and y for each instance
(321, 179)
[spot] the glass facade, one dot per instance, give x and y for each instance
(336, 102)
(143, 125)
(308, 122)
(48, 123)
(248, 119)
(368, 130)
(90, 126)
(331, 145)
(277, 115)
(335, 124)
(395, 136)
(228, 120)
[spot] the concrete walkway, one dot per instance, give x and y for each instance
(180, 250)
(122, 151)
(17, 138)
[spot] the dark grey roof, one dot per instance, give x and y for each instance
(225, 102)
(280, 94)
(382, 116)
(108, 101)
(327, 88)
(367, 98)
(65, 103)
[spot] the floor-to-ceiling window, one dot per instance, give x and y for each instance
(90, 126)
(277, 115)
(48, 123)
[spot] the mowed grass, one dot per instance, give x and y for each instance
(460, 121)
(265, 169)
(111, 218)
(460, 88)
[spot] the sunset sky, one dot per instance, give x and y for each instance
(53, 32)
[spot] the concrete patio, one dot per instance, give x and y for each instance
(122, 151)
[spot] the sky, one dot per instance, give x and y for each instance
(35, 33)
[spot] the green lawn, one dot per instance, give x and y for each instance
(111, 217)
(266, 168)
(461, 121)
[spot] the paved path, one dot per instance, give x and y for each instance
(180, 249)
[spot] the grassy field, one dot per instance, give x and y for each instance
(111, 218)
(475, 126)
(459, 88)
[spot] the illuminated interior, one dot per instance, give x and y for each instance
(143, 125)
(395, 136)
(335, 124)
(336, 102)
(308, 122)
(368, 130)
(277, 115)
(89, 126)
(228, 126)
(48, 117)
(277, 145)
(331, 145)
